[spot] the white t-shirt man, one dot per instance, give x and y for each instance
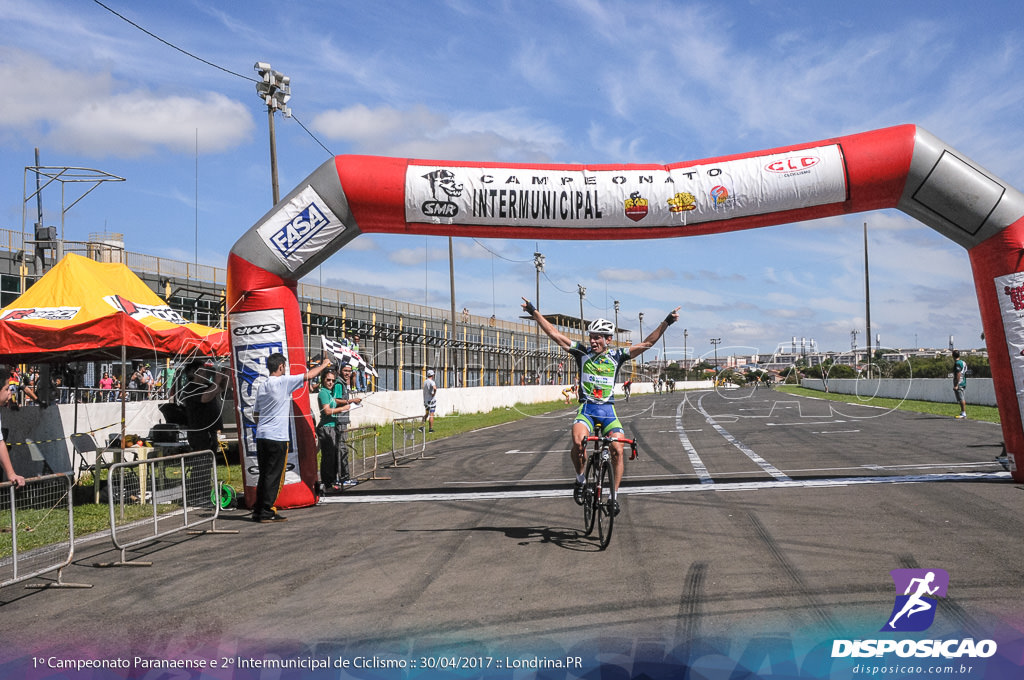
(273, 406)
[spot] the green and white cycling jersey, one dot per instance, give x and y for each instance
(598, 372)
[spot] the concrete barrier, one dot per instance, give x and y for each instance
(379, 408)
(980, 391)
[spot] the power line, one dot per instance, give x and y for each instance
(311, 134)
(171, 45)
(208, 63)
(499, 255)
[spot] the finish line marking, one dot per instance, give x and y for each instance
(748, 452)
(677, 488)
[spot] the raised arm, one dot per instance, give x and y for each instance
(560, 339)
(641, 347)
(318, 369)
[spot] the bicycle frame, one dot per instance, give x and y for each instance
(599, 506)
(606, 441)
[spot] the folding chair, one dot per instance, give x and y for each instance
(83, 443)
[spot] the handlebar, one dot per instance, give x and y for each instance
(603, 441)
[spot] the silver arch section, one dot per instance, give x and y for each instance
(955, 196)
(305, 228)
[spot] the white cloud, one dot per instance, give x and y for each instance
(420, 132)
(79, 112)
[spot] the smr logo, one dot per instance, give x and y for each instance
(442, 181)
(1016, 295)
(914, 609)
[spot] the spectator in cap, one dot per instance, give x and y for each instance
(429, 399)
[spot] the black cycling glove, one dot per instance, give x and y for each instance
(669, 320)
(530, 309)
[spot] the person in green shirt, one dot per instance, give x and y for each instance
(335, 399)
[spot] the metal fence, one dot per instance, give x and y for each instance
(361, 447)
(408, 439)
(155, 497)
(37, 533)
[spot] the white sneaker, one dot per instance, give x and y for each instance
(962, 415)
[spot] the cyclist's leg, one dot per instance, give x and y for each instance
(580, 431)
(613, 428)
(581, 428)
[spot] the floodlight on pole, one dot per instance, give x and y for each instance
(616, 304)
(583, 329)
(716, 342)
(538, 264)
(686, 334)
(275, 90)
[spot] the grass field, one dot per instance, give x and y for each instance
(989, 414)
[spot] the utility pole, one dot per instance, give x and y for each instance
(867, 296)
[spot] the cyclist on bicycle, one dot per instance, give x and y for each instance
(598, 364)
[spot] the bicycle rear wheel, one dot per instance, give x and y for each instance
(604, 505)
(589, 493)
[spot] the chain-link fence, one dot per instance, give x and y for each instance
(153, 498)
(36, 529)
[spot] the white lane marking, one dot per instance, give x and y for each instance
(539, 451)
(761, 462)
(677, 488)
(698, 465)
(809, 422)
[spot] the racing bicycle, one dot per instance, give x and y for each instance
(599, 502)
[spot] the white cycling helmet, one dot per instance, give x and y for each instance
(601, 327)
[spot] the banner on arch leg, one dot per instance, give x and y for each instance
(261, 326)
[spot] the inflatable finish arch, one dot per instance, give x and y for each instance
(902, 167)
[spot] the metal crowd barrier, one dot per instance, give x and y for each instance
(361, 449)
(408, 440)
(155, 497)
(37, 530)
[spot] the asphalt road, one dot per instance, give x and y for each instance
(757, 527)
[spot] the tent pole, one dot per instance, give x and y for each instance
(124, 393)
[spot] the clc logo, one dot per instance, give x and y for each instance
(792, 164)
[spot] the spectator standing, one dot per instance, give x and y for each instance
(134, 383)
(5, 456)
(272, 413)
(146, 382)
(429, 399)
(960, 382)
(106, 387)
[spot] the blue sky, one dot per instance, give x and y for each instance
(521, 81)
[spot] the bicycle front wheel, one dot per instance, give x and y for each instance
(604, 506)
(590, 489)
